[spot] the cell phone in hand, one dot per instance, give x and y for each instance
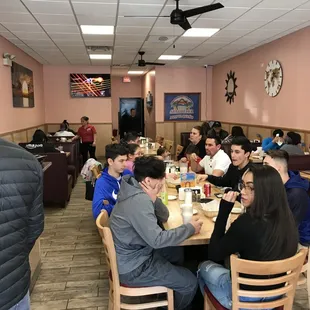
(206, 200)
(218, 195)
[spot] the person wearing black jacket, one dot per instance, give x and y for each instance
(21, 222)
(196, 139)
(265, 232)
(240, 152)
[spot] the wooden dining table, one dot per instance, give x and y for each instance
(175, 218)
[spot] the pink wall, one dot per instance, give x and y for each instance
(149, 114)
(19, 118)
(124, 90)
(252, 104)
(58, 103)
(180, 80)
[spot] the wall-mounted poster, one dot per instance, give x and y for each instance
(22, 86)
(182, 107)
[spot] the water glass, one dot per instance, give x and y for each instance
(187, 212)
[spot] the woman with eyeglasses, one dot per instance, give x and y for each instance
(265, 232)
(134, 151)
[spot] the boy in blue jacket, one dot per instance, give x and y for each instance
(274, 142)
(107, 186)
(296, 190)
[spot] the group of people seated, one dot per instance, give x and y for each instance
(275, 224)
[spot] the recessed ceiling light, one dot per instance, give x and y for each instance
(89, 29)
(100, 56)
(200, 32)
(135, 72)
(169, 57)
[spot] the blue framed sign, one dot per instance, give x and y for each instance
(182, 106)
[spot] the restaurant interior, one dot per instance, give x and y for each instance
(244, 63)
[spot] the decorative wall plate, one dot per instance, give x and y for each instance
(231, 87)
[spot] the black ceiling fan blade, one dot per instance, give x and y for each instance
(145, 16)
(203, 9)
(154, 64)
(186, 25)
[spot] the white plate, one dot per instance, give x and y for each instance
(172, 197)
(195, 211)
(214, 219)
(236, 211)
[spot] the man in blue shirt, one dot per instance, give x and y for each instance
(107, 186)
(275, 142)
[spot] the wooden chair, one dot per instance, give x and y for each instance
(168, 144)
(113, 140)
(160, 140)
(179, 149)
(304, 277)
(116, 289)
(291, 267)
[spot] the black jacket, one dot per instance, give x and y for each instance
(21, 219)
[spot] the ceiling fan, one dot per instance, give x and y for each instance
(143, 63)
(179, 17)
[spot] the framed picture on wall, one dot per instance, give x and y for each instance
(182, 106)
(22, 86)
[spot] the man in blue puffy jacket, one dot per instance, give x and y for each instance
(297, 192)
(21, 222)
(107, 186)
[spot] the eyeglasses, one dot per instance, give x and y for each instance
(247, 188)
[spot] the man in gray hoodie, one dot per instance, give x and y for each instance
(141, 244)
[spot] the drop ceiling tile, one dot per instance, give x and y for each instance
(73, 49)
(221, 39)
(240, 3)
(80, 62)
(231, 33)
(262, 15)
(126, 9)
(31, 35)
(226, 13)
(280, 4)
(39, 42)
(13, 17)
(65, 36)
(281, 25)
(300, 15)
(210, 23)
(144, 1)
(264, 33)
(243, 24)
(12, 6)
(61, 28)
(91, 19)
(132, 30)
(48, 7)
(56, 19)
(130, 49)
(128, 44)
(133, 38)
(14, 40)
(95, 9)
(71, 44)
(247, 40)
(159, 45)
(29, 27)
(139, 21)
(305, 6)
(94, 1)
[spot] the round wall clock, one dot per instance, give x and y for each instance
(231, 87)
(273, 78)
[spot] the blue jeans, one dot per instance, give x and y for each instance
(24, 304)
(218, 280)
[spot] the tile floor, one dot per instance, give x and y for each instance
(74, 272)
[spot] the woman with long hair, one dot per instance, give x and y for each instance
(134, 151)
(265, 232)
(236, 131)
(88, 134)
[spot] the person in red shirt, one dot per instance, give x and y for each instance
(88, 134)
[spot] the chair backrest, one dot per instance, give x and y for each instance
(96, 171)
(282, 271)
(168, 144)
(159, 140)
(113, 140)
(102, 223)
(179, 149)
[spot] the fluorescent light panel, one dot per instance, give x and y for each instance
(89, 29)
(169, 57)
(201, 32)
(135, 72)
(100, 56)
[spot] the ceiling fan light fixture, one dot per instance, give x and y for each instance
(103, 30)
(169, 57)
(201, 32)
